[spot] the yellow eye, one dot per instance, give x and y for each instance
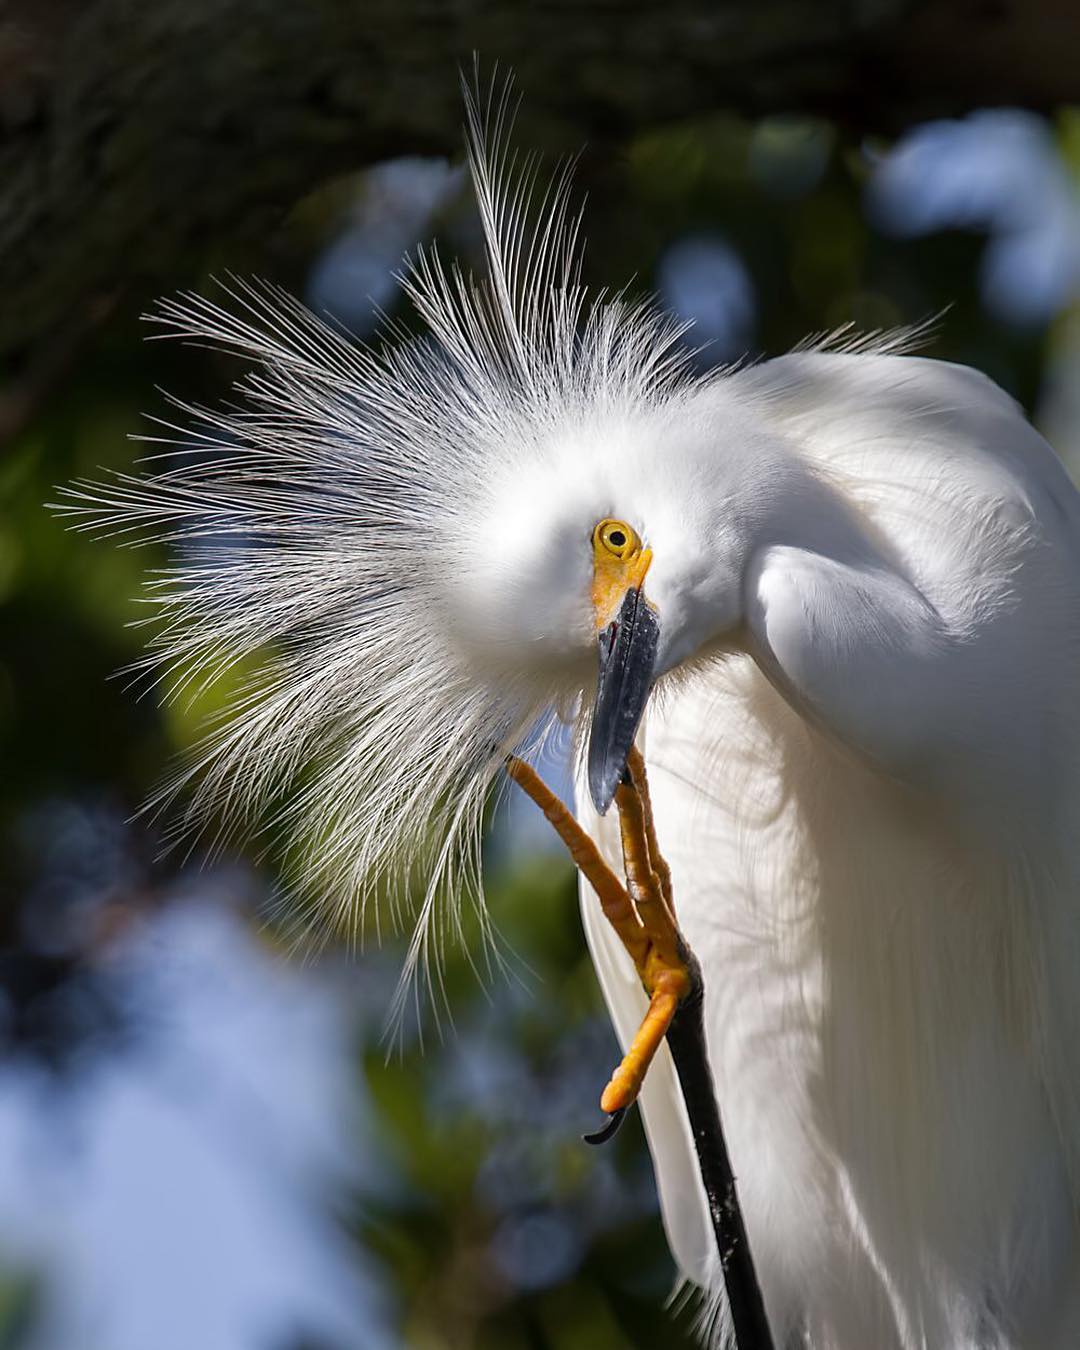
(616, 538)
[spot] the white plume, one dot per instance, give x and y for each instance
(318, 523)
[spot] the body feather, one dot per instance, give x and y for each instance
(891, 973)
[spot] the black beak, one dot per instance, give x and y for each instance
(627, 655)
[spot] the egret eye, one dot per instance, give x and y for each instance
(616, 538)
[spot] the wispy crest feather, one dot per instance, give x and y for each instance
(310, 521)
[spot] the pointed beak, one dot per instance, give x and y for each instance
(628, 646)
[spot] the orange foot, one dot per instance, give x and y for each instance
(641, 912)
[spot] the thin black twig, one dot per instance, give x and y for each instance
(686, 1040)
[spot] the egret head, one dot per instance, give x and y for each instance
(405, 558)
(604, 555)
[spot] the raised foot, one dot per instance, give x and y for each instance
(641, 913)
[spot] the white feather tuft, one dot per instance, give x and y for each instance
(315, 523)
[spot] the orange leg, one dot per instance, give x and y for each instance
(627, 1079)
(635, 762)
(614, 901)
(640, 913)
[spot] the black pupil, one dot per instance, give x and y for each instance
(617, 538)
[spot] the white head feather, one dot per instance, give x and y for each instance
(382, 537)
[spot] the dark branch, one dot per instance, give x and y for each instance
(686, 1040)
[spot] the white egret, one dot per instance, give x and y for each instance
(850, 578)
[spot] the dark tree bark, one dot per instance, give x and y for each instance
(132, 130)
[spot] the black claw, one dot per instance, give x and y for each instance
(609, 1130)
